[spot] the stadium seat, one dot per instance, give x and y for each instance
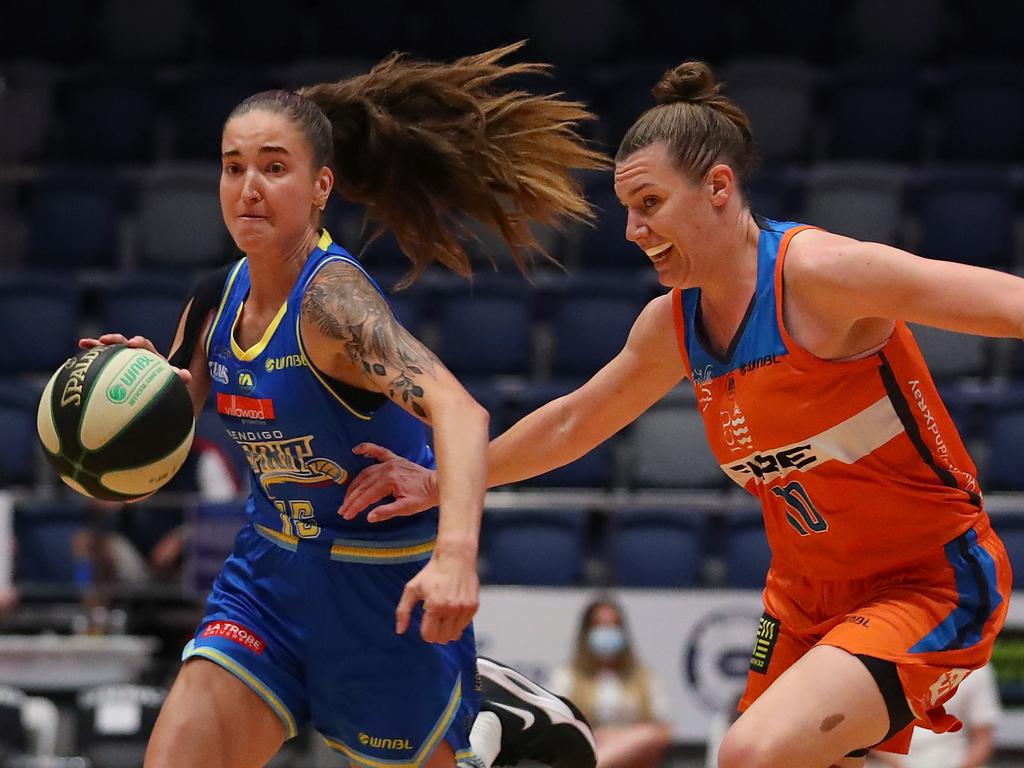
(777, 96)
(485, 335)
(656, 549)
(376, 23)
(114, 723)
(952, 197)
(73, 221)
(120, 24)
(776, 195)
(604, 246)
(26, 106)
(859, 201)
(533, 548)
(167, 199)
(990, 29)
(545, 25)
(285, 44)
(876, 115)
(44, 532)
(20, 446)
(144, 305)
(202, 103)
(807, 30)
(747, 555)
(108, 121)
(912, 30)
(31, 303)
(670, 450)
(950, 355)
(1006, 461)
(588, 332)
(982, 113)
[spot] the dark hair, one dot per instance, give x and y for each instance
(422, 145)
(585, 662)
(304, 113)
(700, 126)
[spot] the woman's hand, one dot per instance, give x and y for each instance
(449, 589)
(136, 342)
(413, 487)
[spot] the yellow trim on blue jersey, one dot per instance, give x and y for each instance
(325, 241)
(252, 352)
(355, 550)
(247, 677)
(302, 348)
(424, 752)
(220, 307)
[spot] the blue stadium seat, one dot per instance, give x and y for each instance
(26, 106)
(19, 447)
(604, 245)
(29, 304)
(484, 335)
(857, 200)
(876, 115)
(983, 114)
(73, 222)
(121, 20)
(285, 44)
(1006, 461)
(951, 355)
(807, 29)
(990, 30)
(657, 549)
(967, 216)
(747, 555)
(109, 121)
(589, 331)
(777, 195)
(911, 30)
(202, 105)
(149, 306)
(545, 25)
(168, 198)
(777, 95)
(376, 22)
(44, 532)
(670, 450)
(536, 547)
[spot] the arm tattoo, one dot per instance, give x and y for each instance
(343, 304)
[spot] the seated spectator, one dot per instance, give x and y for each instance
(619, 696)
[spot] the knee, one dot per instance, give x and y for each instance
(741, 748)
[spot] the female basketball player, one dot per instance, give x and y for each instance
(305, 360)
(887, 583)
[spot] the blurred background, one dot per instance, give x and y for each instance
(900, 123)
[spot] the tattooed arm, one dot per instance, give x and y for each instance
(350, 333)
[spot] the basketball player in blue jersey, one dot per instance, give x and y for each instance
(362, 630)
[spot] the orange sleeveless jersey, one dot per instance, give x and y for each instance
(857, 464)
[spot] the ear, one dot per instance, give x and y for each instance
(324, 185)
(721, 184)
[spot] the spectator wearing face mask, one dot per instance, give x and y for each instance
(620, 697)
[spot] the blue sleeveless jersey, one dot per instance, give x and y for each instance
(297, 432)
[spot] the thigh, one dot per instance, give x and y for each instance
(213, 719)
(824, 706)
(379, 697)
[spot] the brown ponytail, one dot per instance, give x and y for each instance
(423, 145)
(701, 126)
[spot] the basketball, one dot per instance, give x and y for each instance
(115, 422)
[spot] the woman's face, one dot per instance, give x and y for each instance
(605, 616)
(672, 218)
(270, 193)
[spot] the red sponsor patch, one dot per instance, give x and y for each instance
(236, 633)
(243, 407)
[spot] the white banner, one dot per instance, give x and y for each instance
(697, 642)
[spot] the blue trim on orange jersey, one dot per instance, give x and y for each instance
(758, 338)
(977, 597)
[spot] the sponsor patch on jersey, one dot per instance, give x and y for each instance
(236, 633)
(241, 407)
(764, 643)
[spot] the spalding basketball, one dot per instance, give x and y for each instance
(116, 422)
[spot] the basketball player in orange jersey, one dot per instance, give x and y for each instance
(887, 584)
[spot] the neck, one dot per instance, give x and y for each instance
(272, 275)
(735, 276)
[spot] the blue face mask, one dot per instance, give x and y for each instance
(606, 641)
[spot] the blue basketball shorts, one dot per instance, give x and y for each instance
(310, 627)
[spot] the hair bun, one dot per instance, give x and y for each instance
(692, 82)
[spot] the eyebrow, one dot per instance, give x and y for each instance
(265, 149)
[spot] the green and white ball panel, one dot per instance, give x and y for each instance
(126, 386)
(116, 423)
(44, 418)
